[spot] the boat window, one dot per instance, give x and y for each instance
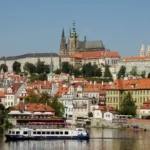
(34, 132)
(61, 132)
(25, 132)
(52, 132)
(43, 132)
(66, 132)
(13, 132)
(38, 132)
(17, 132)
(48, 132)
(9, 132)
(57, 132)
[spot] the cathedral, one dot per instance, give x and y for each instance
(74, 45)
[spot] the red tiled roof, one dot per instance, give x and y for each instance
(107, 108)
(33, 107)
(135, 58)
(146, 105)
(96, 54)
(130, 84)
(2, 94)
(62, 90)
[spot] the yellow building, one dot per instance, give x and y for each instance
(139, 88)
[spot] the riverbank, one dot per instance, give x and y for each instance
(141, 123)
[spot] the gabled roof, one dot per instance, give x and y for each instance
(146, 105)
(130, 84)
(33, 107)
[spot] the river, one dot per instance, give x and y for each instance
(101, 139)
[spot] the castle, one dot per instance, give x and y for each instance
(74, 45)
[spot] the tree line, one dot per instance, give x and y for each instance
(87, 71)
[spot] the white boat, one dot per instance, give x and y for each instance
(34, 134)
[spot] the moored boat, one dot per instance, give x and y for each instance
(35, 134)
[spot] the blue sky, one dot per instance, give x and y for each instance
(36, 25)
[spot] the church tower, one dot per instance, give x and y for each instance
(73, 39)
(142, 52)
(63, 48)
(148, 50)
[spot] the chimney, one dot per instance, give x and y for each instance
(90, 82)
(44, 82)
(94, 82)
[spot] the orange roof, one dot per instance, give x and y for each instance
(62, 90)
(107, 108)
(135, 58)
(130, 84)
(79, 79)
(2, 94)
(96, 54)
(146, 105)
(33, 107)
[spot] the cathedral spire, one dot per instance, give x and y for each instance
(63, 34)
(142, 52)
(148, 50)
(84, 36)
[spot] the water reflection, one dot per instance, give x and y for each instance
(133, 141)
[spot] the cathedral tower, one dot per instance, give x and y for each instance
(142, 52)
(72, 40)
(63, 48)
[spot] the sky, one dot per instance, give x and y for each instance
(36, 25)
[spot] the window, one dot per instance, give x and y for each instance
(61, 132)
(9, 132)
(13, 132)
(48, 132)
(17, 132)
(34, 132)
(38, 132)
(66, 132)
(52, 132)
(11, 103)
(25, 132)
(57, 132)
(43, 132)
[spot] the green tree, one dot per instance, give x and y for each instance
(57, 71)
(148, 75)
(4, 67)
(133, 72)
(66, 67)
(128, 106)
(143, 73)
(16, 67)
(29, 67)
(58, 106)
(107, 72)
(32, 97)
(42, 76)
(121, 72)
(40, 68)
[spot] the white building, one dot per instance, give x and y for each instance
(139, 63)
(31, 58)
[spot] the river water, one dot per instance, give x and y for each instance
(101, 139)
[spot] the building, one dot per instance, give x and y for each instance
(81, 109)
(12, 93)
(31, 58)
(2, 98)
(138, 63)
(145, 110)
(75, 45)
(139, 88)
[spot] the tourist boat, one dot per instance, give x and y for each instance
(35, 134)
